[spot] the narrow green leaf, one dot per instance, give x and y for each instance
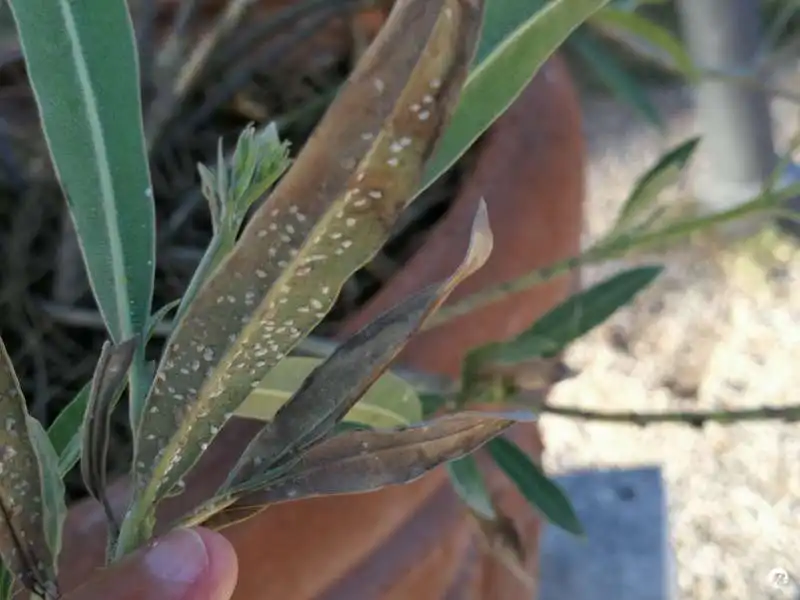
(361, 461)
(651, 32)
(108, 383)
(614, 75)
(432, 403)
(69, 422)
(390, 402)
(25, 533)
(53, 492)
(159, 317)
(494, 85)
(501, 19)
(573, 318)
(466, 478)
(339, 382)
(6, 583)
(82, 63)
(329, 215)
(662, 175)
(543, 494)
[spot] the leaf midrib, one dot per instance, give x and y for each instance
(102, 166)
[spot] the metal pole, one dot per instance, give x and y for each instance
(723, 36)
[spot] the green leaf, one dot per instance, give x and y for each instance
(82, 64)
(159, 317)
(6, 583)
(26, 531)
(328, 216)
(543, 494)
(340, 381)
(615, 76)
(64, 427)
(361, 461)
(662, 175)
(258, 161)
(651, 32)
(572, 319)
(466, 478)
(494, 84)
(53, 492)
(390, 402)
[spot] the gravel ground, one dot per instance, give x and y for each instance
(720, 329)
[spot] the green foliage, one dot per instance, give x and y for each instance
(468, 482)
(540, 491)
(87, 91)
(570, 320)
(655, 34)
(502, 76)
(615, 76)
(658, 178)
(65, 432)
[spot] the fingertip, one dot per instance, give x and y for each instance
(223, 567)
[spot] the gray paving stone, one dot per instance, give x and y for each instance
(626, 555)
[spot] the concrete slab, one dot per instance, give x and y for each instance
(626, 555)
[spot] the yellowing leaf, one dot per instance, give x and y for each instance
(390, 402)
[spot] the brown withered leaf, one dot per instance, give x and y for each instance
(362, 461)
(25, 536)
(329, 215)
(332, 389)
(108, 383)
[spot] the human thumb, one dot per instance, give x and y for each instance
(186, 564)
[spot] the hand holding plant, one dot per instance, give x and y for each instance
(409, 110)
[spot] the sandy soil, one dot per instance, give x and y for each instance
(720, 329)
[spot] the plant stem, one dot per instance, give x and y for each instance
(605, 250)
(788, 414)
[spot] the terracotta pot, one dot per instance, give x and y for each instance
(415, 541)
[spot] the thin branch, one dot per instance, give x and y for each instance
(607, 250)
(787, 414)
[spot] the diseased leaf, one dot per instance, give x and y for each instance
(327, 217)
(467, 481)
(390, 402)
(663, 174)
(24, 518)
(362, 461)
(571, 319)
(108, 383)
(338, 383)
(88, 96)
(499, 79)
(541, 492)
